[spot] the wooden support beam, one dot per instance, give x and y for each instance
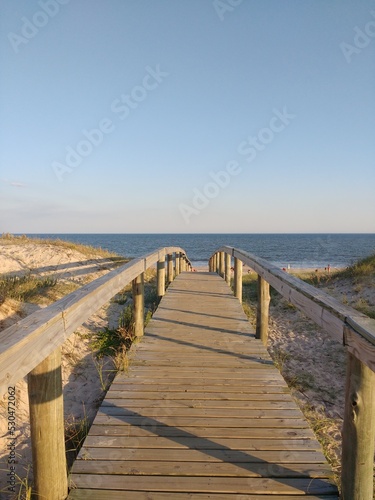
(358, 434)
(169, 268)
(217, 262)
(238, 278)
(228, 261)
(263, 310)
(222, 264)
(161, 276)
(139, 304)
(177, 263)
(183, 263)
(47, 429)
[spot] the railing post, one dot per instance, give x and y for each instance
(262, 310)
(47, 429)
(221, 264)
(228, 259)
(210, 264)
(161, 276)
(238, 278)
(169, 268)
(138, 285)
(217, 270)
(358, 432)
(177, 263)
(183, 263)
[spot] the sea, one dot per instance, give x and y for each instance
(284, 250)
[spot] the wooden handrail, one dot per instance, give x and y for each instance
(32, 347)
(356, 332)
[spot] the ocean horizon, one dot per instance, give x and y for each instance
(297, 250)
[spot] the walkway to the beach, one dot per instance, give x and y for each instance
(201, 413)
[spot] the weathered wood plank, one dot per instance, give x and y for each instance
(88, 494)
(207, 455)
(195, 443)
(207, 432)
(270, 423)
(234, 469)
(287, 486)
(264, 404)
(191, 393)
(198, 411)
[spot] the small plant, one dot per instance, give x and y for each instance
(109, 341)
(364, 267)
(126, 321)
(279, 356)
(114, 342)
(76, 431)
(363, 306)
(24, 288)
(301, 381)
(327, 431)
(121, 298)
(288, 306)
(24, 493)
(148, 317)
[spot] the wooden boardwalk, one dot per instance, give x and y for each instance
(201, 413)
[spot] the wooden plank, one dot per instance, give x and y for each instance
(283, 433)
(279, 486)
(198, 411)
(207, 455)
(88, 494)
(270, 423)
(233, 469)
(264, 404)
(208, 372)
(253, 393)
(196, 443)
(198, 384)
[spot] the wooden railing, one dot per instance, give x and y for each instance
(32, 347)
(354, 330)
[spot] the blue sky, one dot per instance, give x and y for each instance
(119, 115)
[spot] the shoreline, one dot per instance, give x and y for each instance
(292, 271)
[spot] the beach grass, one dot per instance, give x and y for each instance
(87, 250)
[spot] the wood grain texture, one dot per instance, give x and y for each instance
(201, 412)
(47, 428)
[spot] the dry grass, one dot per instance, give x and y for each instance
(34, 289)
(88, 251)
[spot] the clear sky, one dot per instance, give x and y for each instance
(187, 116)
